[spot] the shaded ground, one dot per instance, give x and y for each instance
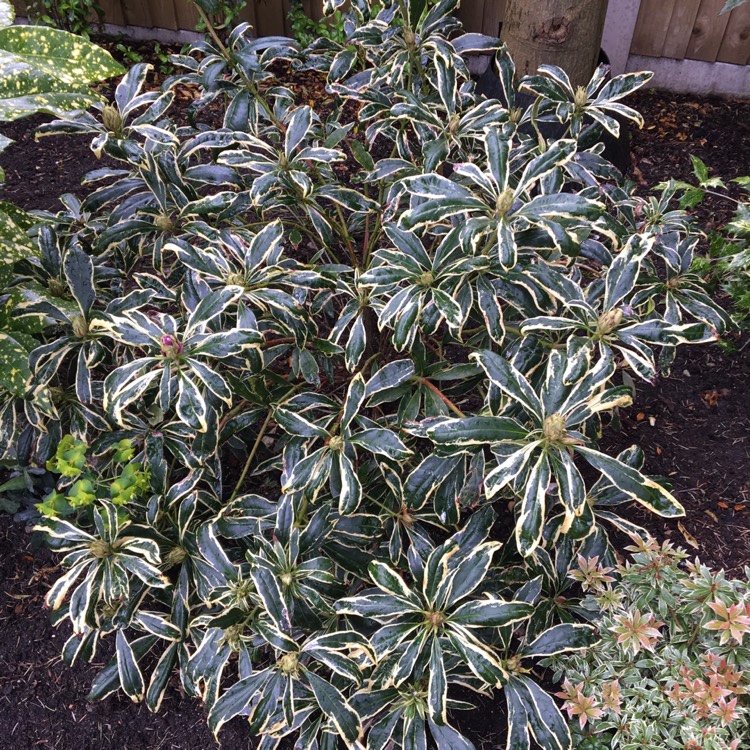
(694, 427)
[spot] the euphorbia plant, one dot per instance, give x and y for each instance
(331, 377)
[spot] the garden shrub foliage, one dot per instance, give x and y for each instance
(332, 350)
(670, 669)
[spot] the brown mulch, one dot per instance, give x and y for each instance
(694, 425)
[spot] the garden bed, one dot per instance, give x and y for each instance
(693, 427)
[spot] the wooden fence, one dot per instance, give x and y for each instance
(693, 30)
(268, 17)
(677, 29)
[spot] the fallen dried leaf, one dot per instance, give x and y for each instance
(689, 538)
(640, 416)
(711, 398)
(738, 508)
(639, 175)
(712, 515)
(723, 505)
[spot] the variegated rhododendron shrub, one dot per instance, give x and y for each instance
(331, 433)
(671, 668)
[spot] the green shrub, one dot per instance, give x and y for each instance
(334, 363)
(218, 14)
(726, 266)
(307, 30)
(671, 668)
(74, 16)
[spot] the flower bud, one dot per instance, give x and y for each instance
(435, 620)
(164, 222)
(233, 636)
(504, 202)
(580, 98)
(171, 348)
(176, 556)
(609, 321)
(100, 549)
(57, 288)
(236, 279)
(80, 326)
(289, 663)
(112, 120)
(336, 443)
(555, 429)
(426, 279)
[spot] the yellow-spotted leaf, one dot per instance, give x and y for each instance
(14, 365)
(25, 90)
(64, 56)
(14, 242)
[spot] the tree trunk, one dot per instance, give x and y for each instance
(566, 33)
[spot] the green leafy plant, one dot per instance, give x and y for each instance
(306, 30)
(584, 739)
(128, 53)
(23, 488)
(48, 70)
(726, 266)
(44, 70)
(218, 14)
(670, 669)
(164, 57)
(74, 16)
(111, 477)
(336, 368)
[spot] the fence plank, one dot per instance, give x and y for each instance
(285, 8)
(735, 47)
(680, 29)
(316, 9)
(471, 14)
(677, 29)
(270, 15)
(708, 31)
(163, 14)
(248, 14)
(651, 27)
(113, 11)
(494, 10)
(187, 15)
(137, 13)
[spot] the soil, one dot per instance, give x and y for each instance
(694, 427)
